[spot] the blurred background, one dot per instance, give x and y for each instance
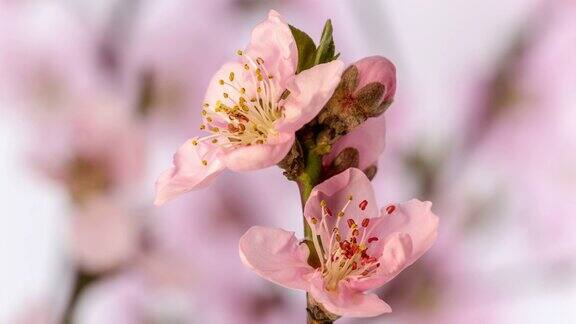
(95, 96)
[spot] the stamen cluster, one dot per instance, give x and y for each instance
(343, 257)
(248, 108)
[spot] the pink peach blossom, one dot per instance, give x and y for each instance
(359, 248)
(252, 108)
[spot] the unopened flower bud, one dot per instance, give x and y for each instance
(366, 89)
(378, 69)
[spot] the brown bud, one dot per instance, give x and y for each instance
(366, 89)
(293, 162)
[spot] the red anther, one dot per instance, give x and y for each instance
(372, 239)
(354, 265)
(390, 209)
(353, 240)
(365, 272)
(377, 265)
(365, 222)
(363, 204)
(354, 249)
(328, 212)
(351, 222)
(355, 232)
(232, 128)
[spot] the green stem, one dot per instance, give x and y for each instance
(310, 176)
(307, 180)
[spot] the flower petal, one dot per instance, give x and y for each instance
(104, 235)
(189, 172)
(309, 92)
(377, 69)
(368, 139)
(246, 158)
(416, 219)
(273, 42)
(335, 191)
(408, 232)
(275, 255)
(347, 301)
(396, 250)
(216, 89)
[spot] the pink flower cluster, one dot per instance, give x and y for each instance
(254, 110)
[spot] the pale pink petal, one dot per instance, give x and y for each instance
(104, 235)
(396, 252)
(254, 157)
(369, 139)
(335, 191)
(195, 167)
(309, 92)
(414, 218)
(273, 42)
(407, 233)
(346, 301)
(215, 91)
(377, 69)
(276, 255)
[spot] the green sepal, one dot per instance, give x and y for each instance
(326, 47)
(306, 49)
(308, 54)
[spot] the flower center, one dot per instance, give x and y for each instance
(344, 257)
(87, 177)
(250, 104)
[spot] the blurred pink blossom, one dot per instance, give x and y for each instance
(176, 276)
(94, 147)
(104, 235)
(531, 145)
(40, 67)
